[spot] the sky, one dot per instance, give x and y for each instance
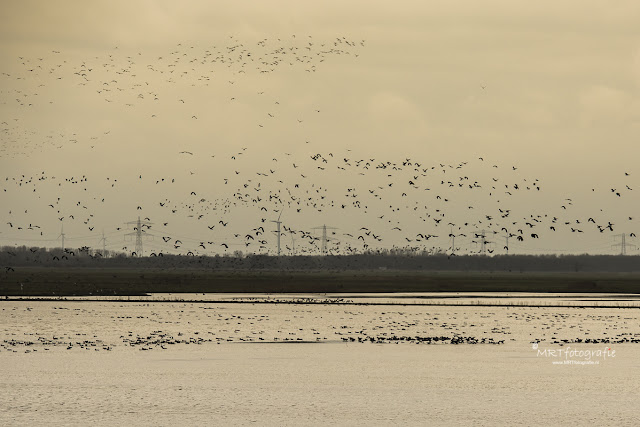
(212, 119)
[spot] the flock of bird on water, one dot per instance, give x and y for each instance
(166, 326)
(405, 205)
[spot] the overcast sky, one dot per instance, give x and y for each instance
(252, 90)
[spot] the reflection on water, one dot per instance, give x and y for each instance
(144, 363)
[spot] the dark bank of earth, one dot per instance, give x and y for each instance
(32, 281)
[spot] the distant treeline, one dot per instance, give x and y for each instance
(11, 257)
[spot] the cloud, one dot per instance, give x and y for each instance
(604, 105)
(635, 67)
(394, 116)
(389, 106)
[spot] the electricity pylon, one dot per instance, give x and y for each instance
(323, 244)
(104, 244)
(506, 242)
(623, 243)
(137, 231)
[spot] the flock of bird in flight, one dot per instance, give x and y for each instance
(242, 220)
(406, 204)
(152, 83)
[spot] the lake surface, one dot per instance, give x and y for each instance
(175, 363)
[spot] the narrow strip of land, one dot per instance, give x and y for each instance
(31, 281)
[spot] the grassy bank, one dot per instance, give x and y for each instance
(94, 281)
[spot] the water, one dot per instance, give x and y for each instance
(74, 363)
(397, 298)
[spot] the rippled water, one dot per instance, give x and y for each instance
(175, 363)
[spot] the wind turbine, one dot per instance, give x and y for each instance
(278, 222)
(61, 235)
